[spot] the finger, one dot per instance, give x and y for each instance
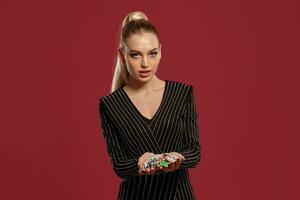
(173, 166)
(176, 163)
(152, 170)
(146, 171)
(170, 167)
(141, 166)
(160, 167)
(142, 171)
(183, 158)
(166, 169)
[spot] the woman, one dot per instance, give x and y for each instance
(149, 124)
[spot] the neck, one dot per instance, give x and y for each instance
(148, 85)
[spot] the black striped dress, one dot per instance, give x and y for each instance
(128, 135)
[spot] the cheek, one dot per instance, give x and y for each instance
(154, 69)
(133, 66)
(155, 65)
(130, 61)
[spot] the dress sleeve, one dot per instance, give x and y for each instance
(123, 166)
(192, 147)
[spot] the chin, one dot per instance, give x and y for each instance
(146, 79)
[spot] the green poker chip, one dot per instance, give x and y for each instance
(164, 163)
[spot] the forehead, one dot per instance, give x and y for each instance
(144, 41)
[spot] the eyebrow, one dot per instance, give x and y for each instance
(141, 52)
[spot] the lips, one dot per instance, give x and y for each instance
(145, 71)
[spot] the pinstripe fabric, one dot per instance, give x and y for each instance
(128, 135)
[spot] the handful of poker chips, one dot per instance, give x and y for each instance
(160, 160)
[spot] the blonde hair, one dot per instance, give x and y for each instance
(133, 22)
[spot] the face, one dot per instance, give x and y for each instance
(142, 55)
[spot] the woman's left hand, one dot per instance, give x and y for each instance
(173, 165)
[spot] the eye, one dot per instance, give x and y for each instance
(153, 54)
(134, 55)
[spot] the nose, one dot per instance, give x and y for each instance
(145, 62)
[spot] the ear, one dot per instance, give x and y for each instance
(121, 54)
(160, 50)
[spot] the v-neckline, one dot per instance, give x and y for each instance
(145, 119)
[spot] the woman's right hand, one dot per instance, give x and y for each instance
(141, 162)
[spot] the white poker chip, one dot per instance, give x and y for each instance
(171, 158)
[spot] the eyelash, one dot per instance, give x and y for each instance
(133, 54)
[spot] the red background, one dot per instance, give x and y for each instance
(57, 59)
